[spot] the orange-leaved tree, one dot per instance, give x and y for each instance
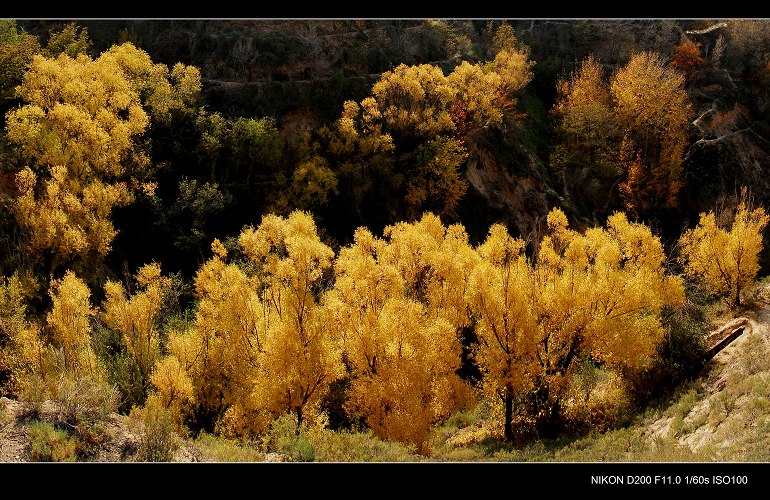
(687, 58)
(654, 112)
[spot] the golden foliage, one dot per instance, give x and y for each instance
(412, 130)
(586, 149)
(83, 114)
(399, 305)
(261, 344)
(514, 67)
(727, 261)
(357, 141)
(584, 106)
(477, 88)
(221, 352)
(595, 294)
(16, 51)
(312, 183)
(80, 124)
(70, 40)
(173, 384)
(69, 321)
(414, 101)
(21, 345)
(136, 317)
(436, 181)
(632, 129)
(300, 355)
(162, 91)
(654, 112)
(64, 217)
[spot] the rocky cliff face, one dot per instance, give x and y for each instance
(516, 196)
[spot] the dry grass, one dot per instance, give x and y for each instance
(219, 449)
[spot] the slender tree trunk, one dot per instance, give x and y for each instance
(508, 412)
(299, 420)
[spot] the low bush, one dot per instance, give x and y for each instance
(49, 444)
(345, 446)
(159, 440)
(283, 439)
(83, 399)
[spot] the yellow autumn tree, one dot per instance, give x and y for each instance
(311, 184)
(64, 217)
(415, 101)
(173, 395)
(595, 295)
(70, 40)
(437, 183)
(54, 360)
(136, 317)
(79, 129)
(69, 322)
(22, 351)
(654, 113)
(399, 305)
(358, 145)
(173, 384)
(412, 132)
(220, 353)
(501, 297)
(260, 345)
(628, 131)
(300, 355)
(726, 260)
(82, 114)
(16, 51)
(163, 91)
(586, 152)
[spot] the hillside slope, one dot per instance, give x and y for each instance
(726, 414)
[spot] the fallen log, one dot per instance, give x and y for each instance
(721, 338)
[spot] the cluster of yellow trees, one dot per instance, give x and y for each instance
(413, 132)
(82, 125)
(279, 318)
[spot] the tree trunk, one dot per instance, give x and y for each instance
(546, 412)
(508, 413)
(299, 420)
